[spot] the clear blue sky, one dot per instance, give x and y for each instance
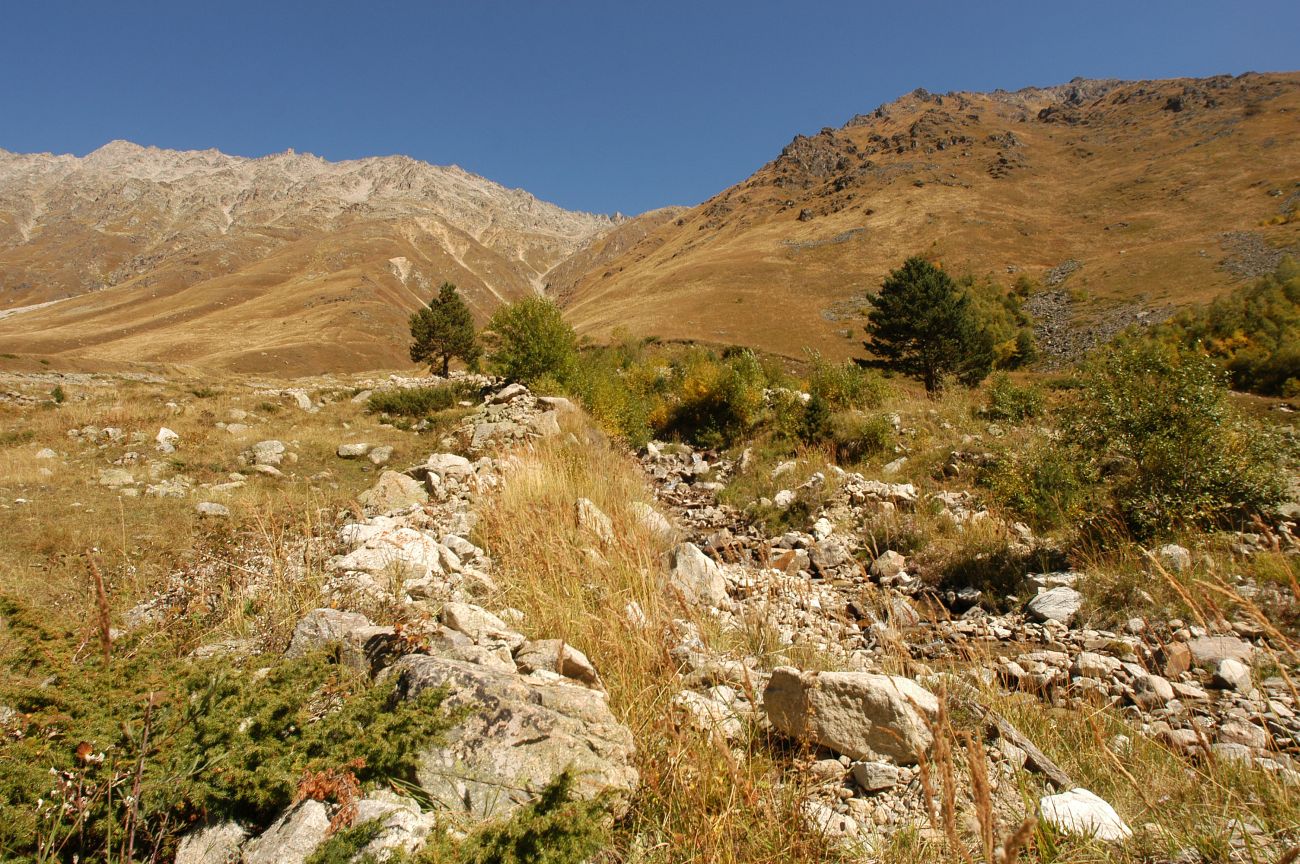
(593, 105)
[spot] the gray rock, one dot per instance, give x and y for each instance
(1152, 691)
(352, 451)
(321, 627)
(403, 826)
(1092, 665)
(269, 452)
(697, 576)
(1209, 650)
(862, 715)
(292, 838)
(652, 519)
(479, 624)
(709, 714)
(379, 456)
(887, 566)
(1232, 674)
(509, 393)
(553, 655)
(1175, 558)
(1081, 813)
(1056, 604)
(212, 510)
(514, 737)
(592, 519)
(115, 477)
(392, 492)
(875, 776)
(215, 844)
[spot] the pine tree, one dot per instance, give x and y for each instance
(444, 329)
(923, 325)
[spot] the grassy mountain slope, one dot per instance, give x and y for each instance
(1164, 192)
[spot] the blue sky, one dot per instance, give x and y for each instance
(596, 106)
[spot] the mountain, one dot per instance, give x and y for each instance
(1120, 198)
(284, 263)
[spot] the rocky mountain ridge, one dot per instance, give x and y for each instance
(1147, 187)
(195, 241)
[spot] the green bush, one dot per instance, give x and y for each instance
(1253, 333)
(1048, 486)
(419, 401)
(1010, 401)
(843, 386)
(530, 339)
(1175, 454)
(210, 741)
(710, 401)
(553, 829)
(857, 436)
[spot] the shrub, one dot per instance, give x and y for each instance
(418, 401)
(58, 395)
(1176, 454)
(710, 401)
(1048, 486)
(1010, 401)
(1253, 333)
(221, 742)
(531, 339)
(846, 385)
(857, 436)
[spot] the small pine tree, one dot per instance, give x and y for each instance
(923, 325)
(444, 329)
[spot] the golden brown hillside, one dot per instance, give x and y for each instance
(1130, 195)
(285, 263)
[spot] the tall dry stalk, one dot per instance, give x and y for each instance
(102, 618)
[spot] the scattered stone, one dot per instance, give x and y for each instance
(352, 451)
(393, 492)
(875, 776)
(1175, 558)
(268, 452)
(553, 655)
(591, 518)
(1210, 650)
(697, 576)
(212, 510)
(1232, 674)
(115, 478)
(380, 456)
(860, 714)
(1056, 604)
(1083, 814)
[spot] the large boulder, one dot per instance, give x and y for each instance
(292, 838)
(215, 844)
(1212, 650)
(860, 714)
(1082, 813)
(697, 576)
(393, 492)
(1059, 604)
(513, 736)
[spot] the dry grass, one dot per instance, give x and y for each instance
(699, 800)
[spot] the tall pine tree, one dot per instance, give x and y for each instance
(923, 325)
(444, 329)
